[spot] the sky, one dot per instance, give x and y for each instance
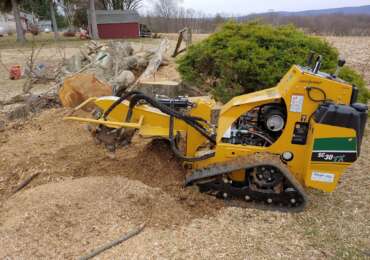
(241, 7)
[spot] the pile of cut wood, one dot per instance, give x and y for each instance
(112, 68)
(96, 70)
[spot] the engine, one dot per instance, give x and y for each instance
(261, 126)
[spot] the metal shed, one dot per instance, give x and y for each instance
(117, 24)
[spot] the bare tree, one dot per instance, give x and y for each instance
(169, 16)
(111, 4)
(132, 4)
(94, 26)
(121, 4)
(13, 5)
(165, 8)
(70, 8)
(54, 20)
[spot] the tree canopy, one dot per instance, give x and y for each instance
(6, 5)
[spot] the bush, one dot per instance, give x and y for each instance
(243, 58)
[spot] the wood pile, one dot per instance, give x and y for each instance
(116, 64)
(115, 67)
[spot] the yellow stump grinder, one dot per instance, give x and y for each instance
(263, 146)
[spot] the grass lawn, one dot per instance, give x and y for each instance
(10, 42)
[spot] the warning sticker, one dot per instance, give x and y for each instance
(323, 177)
(296, 103)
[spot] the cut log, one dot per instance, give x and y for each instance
(129, 63)
(78, 88)
(123, 81)
(21, 111)
(120, 49)
(30, 103)
(166, 88)
(156, 60)
(142, 63)
(15, 99)
(74, 63)
(118, 52)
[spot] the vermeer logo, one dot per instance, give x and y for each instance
(323, 177)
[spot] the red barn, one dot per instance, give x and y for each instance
(118, 24)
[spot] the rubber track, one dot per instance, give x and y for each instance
(248, 162)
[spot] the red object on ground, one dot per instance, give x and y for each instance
(15, 72)
(84, 35)
(119, 30)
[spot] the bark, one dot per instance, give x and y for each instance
(154, 63)
(122, 81)
(24, 183)
(94, 26)
(78, 88)
(113, 243)
(20, 34)
(30, 103)
(54, 20)
(184, 35)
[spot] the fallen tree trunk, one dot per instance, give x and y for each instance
(154, 64)
(31, 103)
(156, 60)
(15, 99)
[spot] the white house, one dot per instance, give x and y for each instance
(7, 26)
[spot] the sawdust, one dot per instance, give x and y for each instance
(79, 187)
(63, 150)
(83, 199)
(66, 219)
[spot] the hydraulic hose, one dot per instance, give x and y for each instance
(119, 101)
(192, 121)
(163, 108)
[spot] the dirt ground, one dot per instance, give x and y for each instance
(356, 51)
(83, 199)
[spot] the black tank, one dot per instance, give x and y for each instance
(353, 116)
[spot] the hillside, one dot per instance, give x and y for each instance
(342, 10)
(355, 10)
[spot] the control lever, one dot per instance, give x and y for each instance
(317, 66)
(341, 63)
(310, 59)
